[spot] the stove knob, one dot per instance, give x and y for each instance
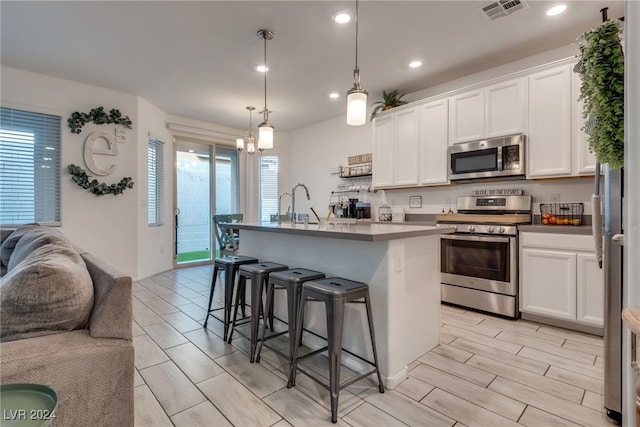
(500, 229)
(490, 229)
(472, 228)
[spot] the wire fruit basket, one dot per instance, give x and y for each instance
(561, 213)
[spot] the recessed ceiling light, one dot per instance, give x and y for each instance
(415, 63)
(262, 68)
(556, 10)
(334, 95)
(342, 17)
(191, 151)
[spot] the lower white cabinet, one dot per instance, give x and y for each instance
(560, 278)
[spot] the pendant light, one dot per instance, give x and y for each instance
(265, 129)
(356, 96)
(249, 138)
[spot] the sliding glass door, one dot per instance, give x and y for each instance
(203, 187)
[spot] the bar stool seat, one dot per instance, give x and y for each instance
(230, 265)
(258, 273)
(334, 292)
(291, 281)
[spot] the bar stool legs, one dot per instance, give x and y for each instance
(290, 281)
(230, 265)
(334, 293)
(258, 273)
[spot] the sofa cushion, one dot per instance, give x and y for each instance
(47, 288)
(9, 244)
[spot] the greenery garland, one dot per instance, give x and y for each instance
(81, 178)
(602, 91)
(99, 117)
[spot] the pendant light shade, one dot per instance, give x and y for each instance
(265, 129)
(356, 96)
(240, 144)
(265, 136)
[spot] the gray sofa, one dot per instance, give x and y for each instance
(88, 358)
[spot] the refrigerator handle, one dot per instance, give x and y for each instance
(618, 239)
(596, 226)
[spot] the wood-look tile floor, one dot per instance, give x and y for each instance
(487, 372)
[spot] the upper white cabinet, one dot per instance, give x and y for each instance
(496, 110)
(466, 120)
(406, 148)
(584, 161)
(395, 149)
(433, 134)
(383, 142)
(506, 108)
(550, 123)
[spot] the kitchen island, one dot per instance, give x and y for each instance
(399, 262)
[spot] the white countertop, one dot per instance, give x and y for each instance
(372, 232)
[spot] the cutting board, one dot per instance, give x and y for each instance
(485, 218)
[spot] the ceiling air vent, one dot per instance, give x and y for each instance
(502, 8)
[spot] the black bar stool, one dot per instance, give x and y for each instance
(291, 281)
(230, 266)
(259, 276)
(334, 292)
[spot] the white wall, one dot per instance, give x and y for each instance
(155, 244)
(315, 151)
(102, 225)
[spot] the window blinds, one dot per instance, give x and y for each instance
(268, 187)
(155, 162)
(29, 167)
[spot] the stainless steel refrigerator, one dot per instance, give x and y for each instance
(613, 197)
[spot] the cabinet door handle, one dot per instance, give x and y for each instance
(618, 238)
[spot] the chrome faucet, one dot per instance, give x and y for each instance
(293, 201)
(280, 202)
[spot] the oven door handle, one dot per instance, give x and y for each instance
(476, 238)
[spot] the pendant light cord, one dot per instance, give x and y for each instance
(266, 70)
(356, 34)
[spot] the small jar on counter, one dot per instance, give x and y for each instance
(384, 213)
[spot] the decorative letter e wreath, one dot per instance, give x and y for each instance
(80, 176)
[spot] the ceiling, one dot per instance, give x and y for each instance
(197, 59)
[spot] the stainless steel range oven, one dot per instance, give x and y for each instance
(479, 262)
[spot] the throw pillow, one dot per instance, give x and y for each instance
(48, 291)
(8, 244)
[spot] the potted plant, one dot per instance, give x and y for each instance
(389, 100)
(602, 91)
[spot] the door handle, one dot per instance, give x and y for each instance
(618, 239)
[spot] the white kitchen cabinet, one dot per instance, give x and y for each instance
(548, 283)
(405, 166)
(590, 290)
(433, 133)
(560, 279)
(495, 110)
(395, 149)
(550, 118)
(466, 116)
(584, 161)
(383, 142)
(506, 108)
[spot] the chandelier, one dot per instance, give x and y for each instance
(248, 138)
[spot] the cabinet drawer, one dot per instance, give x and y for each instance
(558, 241)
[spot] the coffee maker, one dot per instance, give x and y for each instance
(363, 210)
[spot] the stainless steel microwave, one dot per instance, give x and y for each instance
(490, 158)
